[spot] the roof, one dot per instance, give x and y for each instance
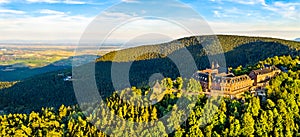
(209, 71)
(225, 75)
(262, 71)
(265, 70)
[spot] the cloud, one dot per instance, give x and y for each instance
(4, 1)
(130, 1)
(233, 12)
(57, 1)
(217, 14)
(289, 30)
(73, 2)
(47, 24)
(152, 29)
(249, 2)
(245, 2)
(11, 11)
(52, 12)
(43, 1)
(287, 10)
(51, 27)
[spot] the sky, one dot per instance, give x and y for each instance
(67, 20)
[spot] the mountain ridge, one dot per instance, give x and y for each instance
(189, 41)
(49, 90)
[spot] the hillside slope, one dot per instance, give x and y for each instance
(227, 42)
(49, 90)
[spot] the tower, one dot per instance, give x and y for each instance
(217, 65)
(209, 82)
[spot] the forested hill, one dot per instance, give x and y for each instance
(227, 42)
(276, 114)
(50, 90)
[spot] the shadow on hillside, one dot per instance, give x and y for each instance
(251, 53)
(22, 73)
(49, 90)
(141, 71)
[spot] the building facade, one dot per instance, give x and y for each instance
(264, 75)
(229, 84)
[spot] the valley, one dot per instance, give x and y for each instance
(18, 62)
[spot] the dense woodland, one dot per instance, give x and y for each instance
(49, 90)
(277, 116)
(206, 45)
(285, 62)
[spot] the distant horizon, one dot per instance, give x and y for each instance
(111, 44)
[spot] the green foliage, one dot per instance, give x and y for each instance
(4, 85)
(65, 122)
(247, 124)
(283, 61)
(227, 42)
(47, 90)
(277, 116)
(194, 86)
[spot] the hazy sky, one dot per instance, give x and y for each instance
(66, 20)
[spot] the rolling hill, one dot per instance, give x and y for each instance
(49, 90)
(227, 43)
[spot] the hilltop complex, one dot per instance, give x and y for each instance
(216, 80)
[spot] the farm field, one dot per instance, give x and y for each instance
(20, 62)
(39, 56)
